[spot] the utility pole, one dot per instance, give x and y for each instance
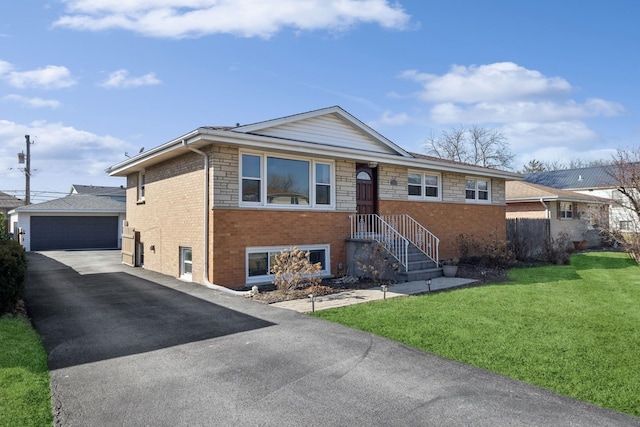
(27, 170)
(27, 173)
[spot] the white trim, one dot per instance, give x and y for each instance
(204, 136)
(268, 278)
(562, 212)
(141, 185)
(423, 192)
(336, 110)
(477, 192)
(312, 162)
(183, 274)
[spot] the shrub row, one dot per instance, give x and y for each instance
(13, 270)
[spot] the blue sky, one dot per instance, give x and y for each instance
(92, 79)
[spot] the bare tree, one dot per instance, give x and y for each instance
(621, 223)
(450, 145)
(625, 172)
(555, 165)
(475, 145)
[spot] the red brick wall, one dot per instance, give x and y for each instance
(236, 229)
(448, 220)
(526, 207)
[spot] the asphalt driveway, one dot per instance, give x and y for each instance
(134, 348)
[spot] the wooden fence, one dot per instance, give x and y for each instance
(528, 237)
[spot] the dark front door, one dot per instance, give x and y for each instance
(366, 190)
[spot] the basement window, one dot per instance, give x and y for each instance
(260, 261)
(186, 263)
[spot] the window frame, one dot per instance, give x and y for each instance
(313, 183)
(274, 250)
(476, 190)
(183, 262)
(423, 185)
(564, 214)
(141, 185)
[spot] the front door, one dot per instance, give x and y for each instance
(366, 185)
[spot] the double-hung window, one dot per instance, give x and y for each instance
(424, 185)
(566, 210)
(268, 180)
(477, 190)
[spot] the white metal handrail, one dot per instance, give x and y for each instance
(413, 231)
(373, 227)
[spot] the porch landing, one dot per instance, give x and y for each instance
(357, 296)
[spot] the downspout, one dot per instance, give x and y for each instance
(547, 212)
(205, 278)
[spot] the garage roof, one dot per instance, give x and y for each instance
(77, 203)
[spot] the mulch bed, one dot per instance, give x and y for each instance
(270, 294)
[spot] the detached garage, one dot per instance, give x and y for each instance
(78, 221)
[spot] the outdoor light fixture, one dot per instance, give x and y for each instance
(372, 164)
(384, 289)
(313, 302)
(428, 281)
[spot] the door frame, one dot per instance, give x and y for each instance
(373, 173)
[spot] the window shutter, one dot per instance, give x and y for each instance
(575, 211)
(558, 208)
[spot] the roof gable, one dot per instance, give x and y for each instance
(331, 126)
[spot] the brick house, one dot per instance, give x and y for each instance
(215, 204)
(575, 214)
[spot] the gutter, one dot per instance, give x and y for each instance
(547, 212)
(205, 277)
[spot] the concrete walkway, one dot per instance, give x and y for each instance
(357, 296)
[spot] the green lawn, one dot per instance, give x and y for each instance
(574, 329)
(25, 398)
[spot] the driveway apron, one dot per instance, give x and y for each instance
(130, 347)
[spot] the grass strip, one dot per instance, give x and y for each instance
(573, 329)
(25, 397)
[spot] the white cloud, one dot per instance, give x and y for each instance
(538, 114)
(389, 118)
(60, 156)
(5, 67)
(525, 135)
(32, 102)
(49, 77)
(503, 81)
(518, 111)
(245, 18)
(121, 79)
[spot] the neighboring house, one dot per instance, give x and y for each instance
(217, 203)
(593, 181)
(568, 212)
(8, 203)
(77, 221)
(114, 193)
